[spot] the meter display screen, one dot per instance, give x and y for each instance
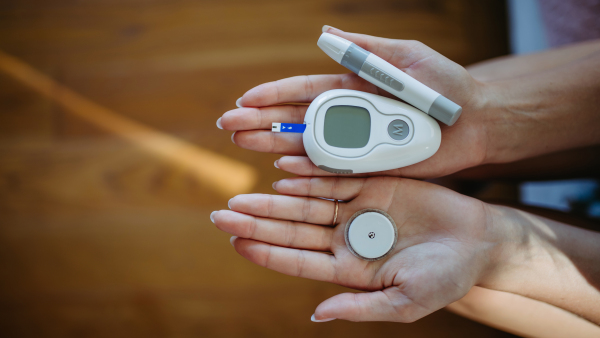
(347, 126)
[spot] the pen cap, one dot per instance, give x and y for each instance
(334, 46)
(445, 110)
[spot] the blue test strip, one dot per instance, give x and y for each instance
(288, 128)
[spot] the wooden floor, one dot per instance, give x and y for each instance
(100, 237)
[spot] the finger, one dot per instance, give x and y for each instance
(328, 187)
(303, 166)
(281, 233)
(269, 142)
(302, 89)
(262, 118)
(386, 305)
(302, 209)
(401, 53)
(293, 262)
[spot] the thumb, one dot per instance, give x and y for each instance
(387, 305)
(401, 53)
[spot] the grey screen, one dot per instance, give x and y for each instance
(347, 126)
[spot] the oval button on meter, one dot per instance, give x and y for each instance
(398, 130)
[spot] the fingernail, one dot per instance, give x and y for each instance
(232, 135)
(238, 102)
(219, 124)
(229, 203)
(212, 216)
(313, 319)
(326, 28)
(232, 239)
(275, 183)
(275, 164)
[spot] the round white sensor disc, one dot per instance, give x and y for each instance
(370, 234)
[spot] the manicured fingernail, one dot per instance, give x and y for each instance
(275, 164)
(238, 102)
(326, 28)
(219, 124)
(275, 184)
(229, 204)
(232, 135)
(232, 239)
(212, 216)
(313, 319)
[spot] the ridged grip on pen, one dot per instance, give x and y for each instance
(354, 58)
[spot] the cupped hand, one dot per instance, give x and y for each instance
(444, 244)
(463, 145)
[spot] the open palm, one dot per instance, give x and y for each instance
(440, 254)
(463, 145)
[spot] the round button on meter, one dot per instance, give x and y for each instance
(371, 234)
(398, 130)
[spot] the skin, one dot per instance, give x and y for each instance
(507, 311)
(262, 107)
(570, 163)
(430, 258)
(499, 117)
(447, 243)
(515, 66)
(519, 102)
(521, 316)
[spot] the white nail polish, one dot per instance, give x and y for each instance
(212, 216)
(274, 185)
(232, 135)
(219, 124)
(232, 239)
(312, 318)
(275, 164)
(238, 102)
(326, 27)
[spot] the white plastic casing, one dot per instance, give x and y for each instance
(414, 92)
(382, 152)
(334, 46)
(384, 75)
(370, 234)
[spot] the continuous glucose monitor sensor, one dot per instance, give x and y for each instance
(382, 74)
(371, 234)
(347, 131)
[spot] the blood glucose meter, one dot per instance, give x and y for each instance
(349, 131)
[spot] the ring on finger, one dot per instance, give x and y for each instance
(335, 213)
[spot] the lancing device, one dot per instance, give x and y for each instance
(382, 74)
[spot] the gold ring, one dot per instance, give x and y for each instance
(335, 212)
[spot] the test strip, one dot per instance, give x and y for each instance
(288, 128)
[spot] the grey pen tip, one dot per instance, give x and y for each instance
(445, 110)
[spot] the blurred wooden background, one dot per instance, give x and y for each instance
(101, 239)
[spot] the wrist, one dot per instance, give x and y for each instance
(522, 248)
(508, 120)
(542, 259)
(508, 246)
(541, 113)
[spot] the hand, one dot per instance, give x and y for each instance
(445, 243)
(463, 145)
